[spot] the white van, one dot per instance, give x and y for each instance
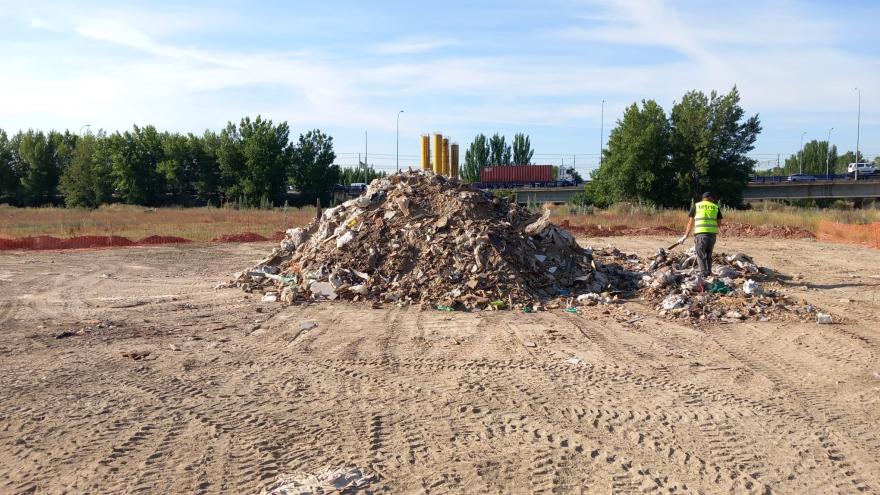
(864, 168)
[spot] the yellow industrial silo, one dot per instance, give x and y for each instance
(426, 152)
(446, 157)
(438, 154)
(453, 159)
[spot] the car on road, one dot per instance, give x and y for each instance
(863, 168)
(801, 178)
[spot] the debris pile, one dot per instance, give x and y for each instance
(419, 238)
(737, 290)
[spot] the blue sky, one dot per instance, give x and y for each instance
(347, 67)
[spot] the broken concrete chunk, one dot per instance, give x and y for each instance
(307, 325)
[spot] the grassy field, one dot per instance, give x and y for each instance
(773, 214)
(136, 222)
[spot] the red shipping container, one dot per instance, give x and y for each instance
(516, 174)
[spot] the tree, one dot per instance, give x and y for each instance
(312, 171)
(9, 181)
(135, 158)
(812, 158)
(522, 149)
(475, 158)
(177, 166)
(636, 162)
(88, 181)
(350, 175)
(499, 151)
(710, 140)
(266, 150)
(39, 169)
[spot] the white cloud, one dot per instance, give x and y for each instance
(408, 46)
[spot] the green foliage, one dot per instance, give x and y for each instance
(313, 172)
(522, 149)
(39, 170)
(813, 158)
(499, 150)
(636, 164)
(351, 175)
(10, 184)
(475, 158)
(88, 181)
(710, 140)
(135, 158)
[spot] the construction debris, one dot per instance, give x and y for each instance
(340, 480)
(420, 238)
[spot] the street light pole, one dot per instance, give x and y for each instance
(858, 124)
(828, 153)
(602, 134)
(398, 141)
(801, 153)
(81, 128)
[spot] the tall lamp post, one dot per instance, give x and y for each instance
(858, 124)
(828, 153)
(398, 141)
(801, 153)
(602, 133)
(83, 126)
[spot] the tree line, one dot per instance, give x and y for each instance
(814, 159)
(252, 163)
(495, 151)
(669, 160)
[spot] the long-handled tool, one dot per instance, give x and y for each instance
(677, 243)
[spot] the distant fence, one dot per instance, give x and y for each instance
(866, 234)
(46, 242)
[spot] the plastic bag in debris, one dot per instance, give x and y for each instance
(719, 287)
(752, 288)
(673, 301)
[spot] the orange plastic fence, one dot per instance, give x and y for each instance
(46, 242)
(867, 234)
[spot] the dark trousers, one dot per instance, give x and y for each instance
(704, 244)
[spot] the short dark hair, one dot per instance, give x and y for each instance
(708, 195)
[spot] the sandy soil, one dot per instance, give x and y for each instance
(233, 394)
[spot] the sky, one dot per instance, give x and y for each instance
(467, 67)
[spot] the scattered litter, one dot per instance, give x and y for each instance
(270, 297)
(65, 334)
(136, 355)
(752, 288)
(673, 301)
(824, 319)
(174, 347)
(571, 310)
(307, 325)
(529, 343)
(341, 480)
(573, 361)
(441, 307)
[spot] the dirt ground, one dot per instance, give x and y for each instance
(229, 393)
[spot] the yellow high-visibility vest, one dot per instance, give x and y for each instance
(705, 218)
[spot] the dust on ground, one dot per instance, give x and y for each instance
(123, 371)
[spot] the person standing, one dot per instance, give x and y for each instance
(705, 218)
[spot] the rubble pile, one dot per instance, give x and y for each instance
(737, 290)
(419, 238)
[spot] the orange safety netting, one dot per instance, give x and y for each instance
(866, 234)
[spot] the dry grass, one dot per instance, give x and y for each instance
(134, 222)
(771, 214)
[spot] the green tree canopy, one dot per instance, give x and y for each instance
(9, 181)
(813, 159)
(475, 158)
(522, 149)
(313, 172)
(499, 150)
(135, 157)
(88, 181)
(636, 161)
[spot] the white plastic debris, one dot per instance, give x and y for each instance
(344, 238)
(590, 296)
(824, 319)
(270, 297)
(307, 325)
(673, 301)
(724, 272)
(753, 288)
(540, 258)
(359, 289)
